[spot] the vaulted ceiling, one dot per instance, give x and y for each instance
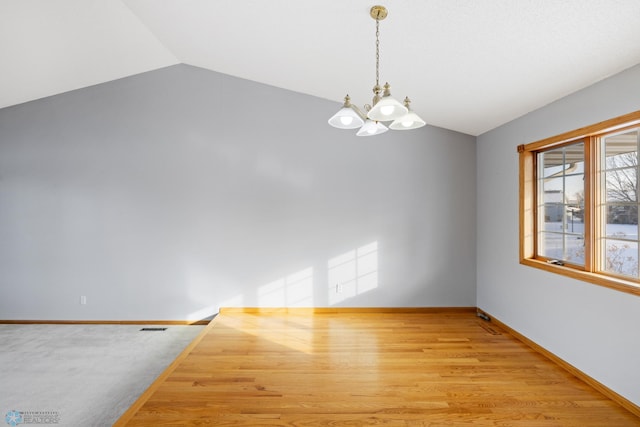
(467, 65)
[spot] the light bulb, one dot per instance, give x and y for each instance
(387, 110)
(371, 130)
(346, 120)
(408, 123)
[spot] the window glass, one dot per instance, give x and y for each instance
(620, 182)
(561, 203)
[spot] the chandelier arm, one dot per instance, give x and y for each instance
(362, 115)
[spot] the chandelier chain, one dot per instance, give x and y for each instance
(377, 52)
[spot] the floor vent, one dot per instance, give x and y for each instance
(153, 329)
(488, 328)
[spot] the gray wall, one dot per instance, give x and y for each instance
(171, 193)
(591, 327)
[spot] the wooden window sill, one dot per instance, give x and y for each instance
(595, 278)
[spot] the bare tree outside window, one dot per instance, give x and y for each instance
(622, 188)
(621, 183)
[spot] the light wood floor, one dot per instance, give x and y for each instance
(357, 369)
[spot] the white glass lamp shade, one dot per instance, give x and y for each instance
(387, 108)
(371, 128)
(409, 121)
(346, 118)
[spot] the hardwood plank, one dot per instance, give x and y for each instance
(367, 368)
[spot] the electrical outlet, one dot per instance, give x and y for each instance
(83, 299)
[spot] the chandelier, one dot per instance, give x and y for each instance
(383, 108)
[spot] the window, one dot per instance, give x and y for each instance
(579, 204)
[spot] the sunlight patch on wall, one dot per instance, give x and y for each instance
(353, 273)
(294, 290)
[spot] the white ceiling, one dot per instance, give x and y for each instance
(467, 65)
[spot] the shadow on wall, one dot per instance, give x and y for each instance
(348, 275)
